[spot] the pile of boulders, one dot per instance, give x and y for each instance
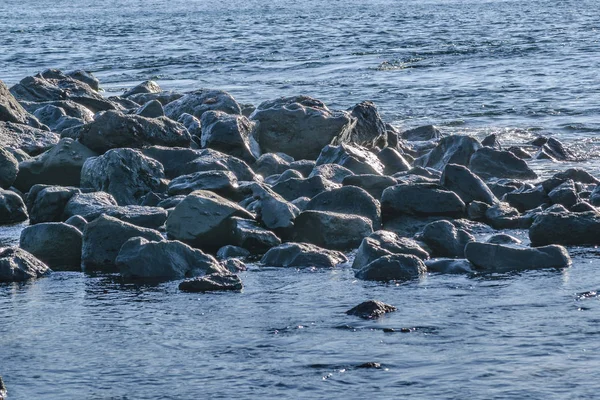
(161, 185)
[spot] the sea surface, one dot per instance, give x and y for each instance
(516, 68)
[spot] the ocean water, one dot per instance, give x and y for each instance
(516, 68)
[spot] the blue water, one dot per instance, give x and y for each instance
(517, 68)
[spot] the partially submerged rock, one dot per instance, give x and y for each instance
(17, 265)
(302, 255)
(371, 309)
(489, 257)
(489, 163)
(454, 149)
(55, 243)
(212, 283)
(576, 229)
(397, 267)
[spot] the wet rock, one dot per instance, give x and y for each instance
(520, 152)
(526, 199)
(271, 164)
(32, 141)
(12, 111)
(78, 222)
(125, 173)
(17, 265)
(144, 87)
(9, 168)
(564, 194)
(356, 159)
(466, 185)
(449, 265)
(557, 150)
(370, 365)
(372, 184)
(302, 255)
(198, 102)
(12, 208)
(503, 238)
(583, 206)
(273, 210)
(503, 216)
(397, 267)
(230, 134)
(310, 187)
(490, 163)
(103, 238)
(476, 210)
(575, 229)
(333, 172)
(422, 133)
(369, 129)
(248, 234)
(496, 258)
(152, 109)
(55, 243)
(212, 283)
(384, 243)
(223, 183)
(47, 203)
(491, 141)
(234, 265)
(230, 251)
(544, 153)
(348, 200)
(331, 230)
(454, 149)
(445, 240)
(299, 126)
(393, 161)
(421, 199)
(502, 186)
(577, 175)
(371, 309)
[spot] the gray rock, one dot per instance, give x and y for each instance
(333, 172)
(466, 185)
(230, 251)
(9, 168)
(492, 141)
(103, 238)
(525, 199)
(583, 206)
(144, 87)
(288, 174)
(476, 210)
(356, 159)
(422, 133)
(234, 265)
(454, 149)
(384, 243)
(503, 238)
(212, 283)
(85, 204)
(17, 265)
(397, 267)
(305, 167)
(575, 229)
(595, 196)
(445, 240)
(295, 188)
(47, 203)
(369, 129)
(56, 118)
(198, 102)
(248, 234)
(503, 216)
(32, 141)
(372, 184)
(301, 203)
(165, 97)
(12, 111)
(392, 161)
(577, 175)
(86, 77)
(78, 222)
(54, 243)
(564, 194)
(302, 255)
(331, 230)
(231, 134)
(223, 183)
(449, 266)
(496, 258)
(490, 163)
(191, 123)
(371, 309)
(12, 208)
(171, 202)
(421, 199)
(152, 109)
(520, 152)
(273, 210)
(125, 173)
(271, 164)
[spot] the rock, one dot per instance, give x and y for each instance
(595, 196)
(520, 152)
(191, 123)
(144, 87)
(86, 77)
(583, 206)
(142, 258)
(12, 208)
(12, 111)
(47, 203)
(273, 210)
(103, 238)
(369, 130)
(230, 251)
(59, 166)
(31, 140)
(348, 200)
(234, 265)
(54, 243)
(125, 173)
(223, 183)
(503, 238)
(3, 391)
(476, 210)
(302, 255)
(371, 309)
(301, 203)
(299, 126)
(295, 188)
(466, 185)
(271, 164)
(198, 102)
(17, 265)
(57, 119)
(445, 240)
(333, 172)
(112, 129)
(164, 97)
(393, 161)
(331, 230)
(86, 204)
(212, 283)
(422, 133)
(557, 150)
(397, 267)
(454, 149)
(152, 109)
(492, 142)
(503, 216)
(526, 199)
(356, 159)
(288, 174)
(248, 234)
(449, 266)
(421, 199)
(230, 134)
(574, 229)
(78, 222)
(496, 258)
(564, 194)
(372, 184)
(384, 243)
(201, 220)
(9, 168)
(577, 175)
(305, 167)
(490, 163)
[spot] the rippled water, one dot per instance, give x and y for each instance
(517, 68)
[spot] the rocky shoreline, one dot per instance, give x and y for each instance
(159, 185)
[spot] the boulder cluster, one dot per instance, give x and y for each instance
(161, 185)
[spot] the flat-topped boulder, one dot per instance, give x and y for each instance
(575, 229)
(497, 258)
(489, 163)
(18, 265)
(302, 255)
(331, 230)
(223, 183)
(294, 188)
(397, 267)
(421, 199)
(421, 134)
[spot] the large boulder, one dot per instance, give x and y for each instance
(248, 234)
(385, 243)
(12, 111)
(445, 240)
(369, 130)
(230, 134)
(526, 198)
(57, 119)
(140, 258)
(331, 230)
(59, 166)
(575, 229)
(113, 129)
(198, 102)
(489, 163)
(32, 141)
(496, 258)
(302, 255)
(421, 199)
(55, 243)
(86, 204)
(564, 194)
(299, 126)
(17, 265)
(103, 238)
(348, 200)
(466, 185)
(454, 149)
(357, 159)
(216, 282)
(294, 188)
(449, 266)
(397, 267)
(9, 168)
(12, 208)
(125, 173)
(270, 164)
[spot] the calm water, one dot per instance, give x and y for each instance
(517, 68)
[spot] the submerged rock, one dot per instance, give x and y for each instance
(489, 257)
(371, 309)
(212, 283)
(302, 255)
(17, 265)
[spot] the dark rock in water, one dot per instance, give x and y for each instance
(449, 265)
(230, 251)
(454, 149)
(103, 238)
(32, 141)
(125, 173)
(144, 87)
(12, 111)
(234, 265)
(152, 109)
(558, 151)
(77, 221)
(212, 283)
(575, 229)
(490, 163)
(372, 184)
(248, 234)
(47, 203)
(140, 258)
(3, 391)
(564, 194)
(356, 159)
(369, 365)
(223, 183)
(526, 199)
(230, 134)
(333, 172)
(421, 199)
(445, 240)
(544, 153)
(466, 185)
(422, 133)
(520, 152)
(369, 129)
(299, 126)
(201, 220)
(397, 267)
(491, 141)
(348, 200)
(305, 167)
(539, 141)
(583, 206)
(198, 102)
(496, 258)
(392, 161)
(503, 216)
(310, 187)
(273, 210)
(368, 310)
(59, 166)
(385, 243)
(9, 168)
(17, 265)
(503, 238)
(331, 230)
(577, 175)
(55, 243)
(302, 255)
(271, 164)
(12, 208)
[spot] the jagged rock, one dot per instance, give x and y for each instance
(489, 257)
(421, 199)
(348, 200)
(17, 265)
(331, 230)
(248, 234)
(333, 172)
(54, 243)
(445, 240)
(144, 87)
(12, 208)
(12, 111)
(575, 229)
(564, 194)
(230, 251)
(369, 130)
(397, 267)
(32, 141)
(223, 183)
(384, 243)
(230, 134)
(198, 102)
(454, 149)
(392, 161)
(422, 133)
(292, 189)
(152, 109)
(354, 158)
(371, 309)
(302, 255)
(466, 185)
(490, 163)
(372, 184)
(212, 283)
(9, 168)
(449, 265)
(557, 150)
